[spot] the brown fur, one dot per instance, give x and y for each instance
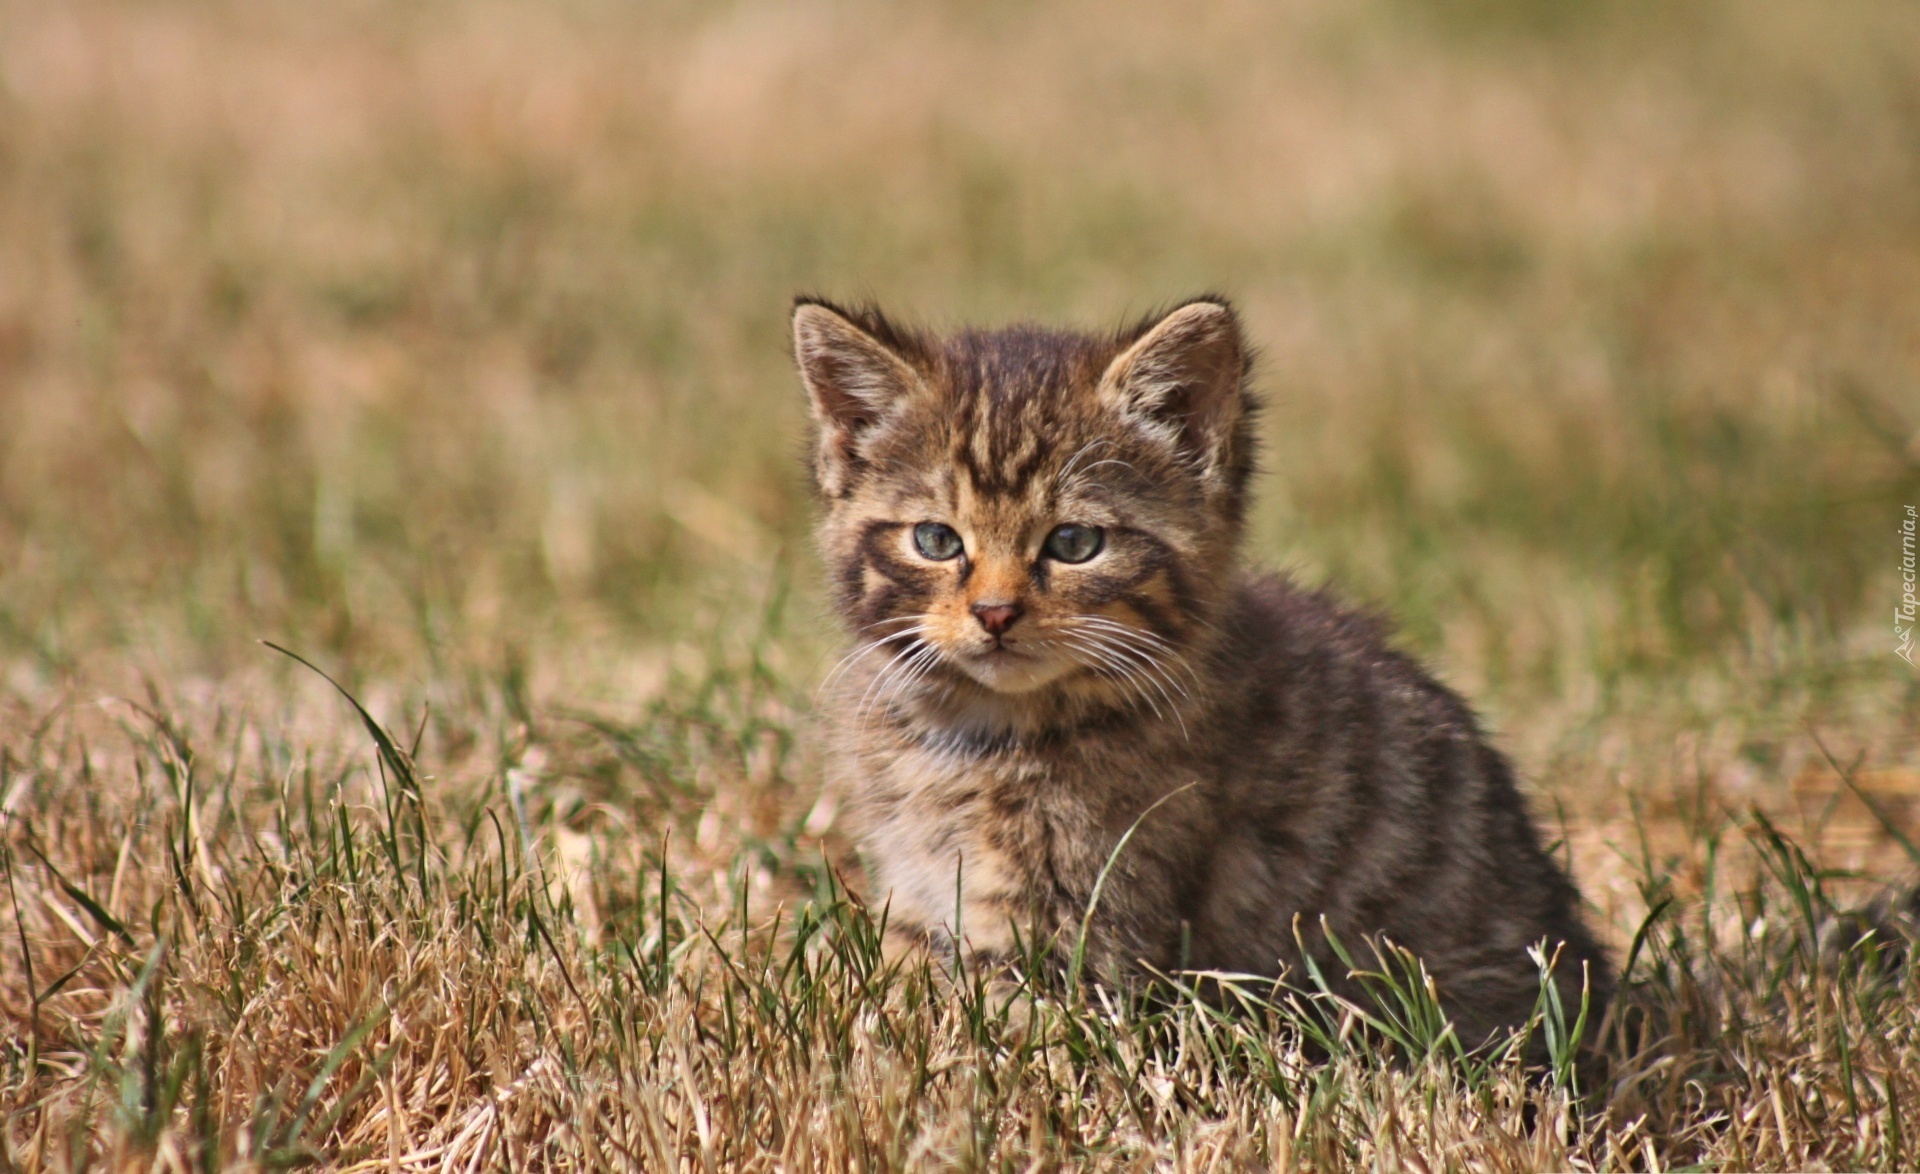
(1302, 768)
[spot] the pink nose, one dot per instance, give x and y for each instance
(996, 618)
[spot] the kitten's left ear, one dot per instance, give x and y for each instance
(1182, 379)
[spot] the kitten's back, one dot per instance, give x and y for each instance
(1368, 794)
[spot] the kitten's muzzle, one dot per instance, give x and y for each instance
(996, 618)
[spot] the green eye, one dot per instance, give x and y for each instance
(936, 541)
(1074, 544)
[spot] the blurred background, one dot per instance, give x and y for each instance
(447, 340)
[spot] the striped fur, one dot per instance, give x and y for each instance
(1302, 768)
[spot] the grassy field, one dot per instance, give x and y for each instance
(443, 344)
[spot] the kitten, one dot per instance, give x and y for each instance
(1033, 536)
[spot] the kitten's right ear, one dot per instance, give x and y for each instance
(854, 373)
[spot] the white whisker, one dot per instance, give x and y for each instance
(1147, 644)
(1136, 669)
(892, 682)
(862, 649)
(916, 671)
(1143, 666)
(910, 651)
(1105, 661)
(1061, 477)
(1169, 654)
(1148, 668)
(1115, 461)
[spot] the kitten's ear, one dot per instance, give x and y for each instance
(1182, 377)
(854, 372)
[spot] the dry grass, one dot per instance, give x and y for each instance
(443, 344)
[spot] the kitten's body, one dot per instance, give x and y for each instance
(1300, 767)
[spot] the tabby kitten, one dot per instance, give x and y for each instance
(1033, 536)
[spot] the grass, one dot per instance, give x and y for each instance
(443, 345)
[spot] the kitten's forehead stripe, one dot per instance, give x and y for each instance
(1006, 390)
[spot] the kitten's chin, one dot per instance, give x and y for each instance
(1012, 673)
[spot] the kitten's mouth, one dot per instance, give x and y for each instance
(1008, 668)
(999, 655)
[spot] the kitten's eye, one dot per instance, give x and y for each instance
(1075, 544)
(936, 541)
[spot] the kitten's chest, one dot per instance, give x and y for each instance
(976, 844)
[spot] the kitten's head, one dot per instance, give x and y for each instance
(1020, 510)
